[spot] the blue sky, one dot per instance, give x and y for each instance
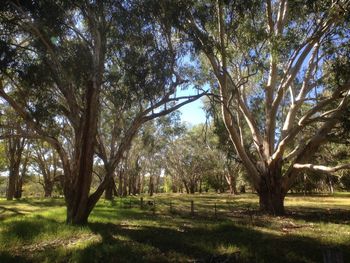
(193, 113)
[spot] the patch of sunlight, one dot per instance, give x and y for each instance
(269, 231)
(84, 241)
(227, 249)
(122, 238)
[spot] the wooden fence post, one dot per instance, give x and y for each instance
(250, 212)
(192, 207)
(215, 210)
(141, 202)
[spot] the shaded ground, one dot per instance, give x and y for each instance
(33, 230)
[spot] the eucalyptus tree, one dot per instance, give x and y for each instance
(14, 150)
(288, 60)
(60, 57)
(46, 163)
(141, 85)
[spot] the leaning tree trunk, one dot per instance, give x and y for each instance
(186, 187)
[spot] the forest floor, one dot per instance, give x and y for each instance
(221, 228)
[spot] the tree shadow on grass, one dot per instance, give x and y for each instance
(167, 239)
(24, 230)
(6, 257)
(322, 195)
(130, 243)
(316, 215)
(6, 212)
(48, 202)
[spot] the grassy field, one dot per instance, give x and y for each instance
(165, 230)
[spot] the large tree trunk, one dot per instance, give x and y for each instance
(12, 181)
(192, 187)
(271, 202)
(14, 150)
(48, 189)
(19, 184)
(11, 186)
(79, 205)
(19, 190)
(109, 191)
(110, 186)
(48, 185)
(271, 192)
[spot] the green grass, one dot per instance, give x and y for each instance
(33, 230)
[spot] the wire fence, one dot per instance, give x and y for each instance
(208, 208)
